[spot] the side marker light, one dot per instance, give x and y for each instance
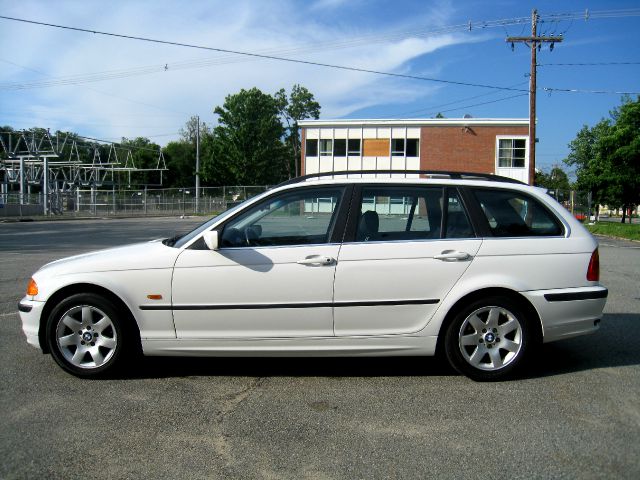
(32, 288)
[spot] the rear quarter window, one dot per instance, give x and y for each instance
(515, 214)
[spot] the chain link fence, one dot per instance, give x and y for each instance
(182, 201)
(134, 202)
(584, 209)
(578, 203)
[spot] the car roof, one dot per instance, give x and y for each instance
(407, 177)
(348, 176)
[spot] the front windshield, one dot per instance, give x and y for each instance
(180, 241)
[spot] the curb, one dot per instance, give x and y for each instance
(615, 238)
(59, 219)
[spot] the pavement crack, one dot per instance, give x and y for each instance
(231, 402)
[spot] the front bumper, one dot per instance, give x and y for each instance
(30, 313)
(568, 312)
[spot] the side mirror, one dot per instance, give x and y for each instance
(211, 239)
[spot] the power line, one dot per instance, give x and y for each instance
(586, 64)
(484, 103)
(94, 89)
(258, 55)
(435, 107)
(578, 90)
(225, 59)
(162, 135)
(590, 15)
(365, 40)
(117, 143)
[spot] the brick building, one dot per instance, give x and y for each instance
(484, 145)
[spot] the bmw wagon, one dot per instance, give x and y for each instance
(479, 268)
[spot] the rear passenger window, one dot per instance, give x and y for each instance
(513, 214)
(399, 213)
(411, 213)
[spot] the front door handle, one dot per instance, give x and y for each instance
(317, 260)
(452, 256)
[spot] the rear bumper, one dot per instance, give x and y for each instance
(568, 312)
(30, 312)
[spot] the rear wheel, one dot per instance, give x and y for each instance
(87, 335)
(489, 339)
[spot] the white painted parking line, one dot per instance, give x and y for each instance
(619, 246)
(8, 314)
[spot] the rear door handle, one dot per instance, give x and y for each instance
(452, 256)
(317, 260)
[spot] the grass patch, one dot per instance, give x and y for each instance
(620, 230)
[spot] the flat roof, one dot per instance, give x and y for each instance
(414, 122)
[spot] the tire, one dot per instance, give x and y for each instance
(88, 336)
(489, 339)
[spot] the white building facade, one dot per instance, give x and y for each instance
(495, 146)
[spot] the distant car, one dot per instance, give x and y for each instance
(481, 268)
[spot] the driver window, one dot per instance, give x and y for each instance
(302, 217)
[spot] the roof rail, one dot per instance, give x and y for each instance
(426, 173)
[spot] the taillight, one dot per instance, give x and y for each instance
(593, 272)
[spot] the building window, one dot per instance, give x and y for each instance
(412, 147)
(326, 148)
(311, 149)
(339, 148)
(397, 147)
(354, 147)
(404, 148)
(512, 152)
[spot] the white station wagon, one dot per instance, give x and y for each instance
(479, 267)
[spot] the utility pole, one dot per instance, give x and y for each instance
(198, 165)
(534, 42)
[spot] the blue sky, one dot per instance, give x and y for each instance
(108, 87)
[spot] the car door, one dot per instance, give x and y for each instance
(405, 249)
(523, 235)
(272, 276)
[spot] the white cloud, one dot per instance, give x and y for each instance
(161, 102)
(320, 5)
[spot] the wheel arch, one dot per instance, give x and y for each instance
(76, 288)
(471, 297)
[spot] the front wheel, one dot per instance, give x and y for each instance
(489, 339)
(87, 336)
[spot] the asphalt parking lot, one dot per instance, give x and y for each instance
(576, 414)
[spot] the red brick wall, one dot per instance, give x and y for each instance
(458, 149)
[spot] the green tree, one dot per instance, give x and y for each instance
(180, 155)
(247, 148)
(591, 167)
(607, 158)
(556, 179)
(621, 147)
(181, 164)
(300, 104)
(188, 133)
